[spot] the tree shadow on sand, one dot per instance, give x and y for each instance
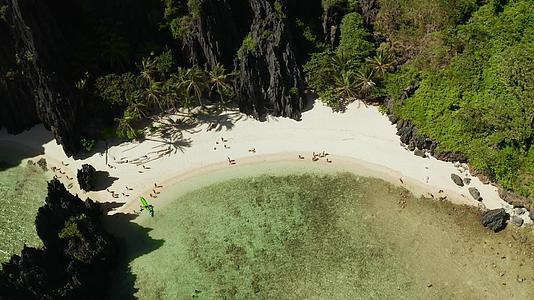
(133, 241)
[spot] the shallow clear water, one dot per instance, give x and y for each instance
(268, 237)
(22, 191)
(300, 232)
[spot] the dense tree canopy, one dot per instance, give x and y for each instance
(482, 102)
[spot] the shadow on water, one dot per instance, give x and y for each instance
(133, 241)
(12, 154)
(103, 180)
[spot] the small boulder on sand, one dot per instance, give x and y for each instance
(419, 152)
(516, 221)
(457, 179)
(495, 219)
(475, 193)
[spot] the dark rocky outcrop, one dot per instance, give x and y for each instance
(218, 32)
(419, 152)
(86, 177)
(31, 88)
(270, 80)
(74, 260)
(409, 135)
(332, 17)
(495, 219)
(475, 193)
(457, 179)
(513, 199)
(269, 77)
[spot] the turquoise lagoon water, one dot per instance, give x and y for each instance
(273, 231)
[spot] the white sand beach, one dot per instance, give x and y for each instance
(361, 140)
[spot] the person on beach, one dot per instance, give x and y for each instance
(301, 157)
(328, 161)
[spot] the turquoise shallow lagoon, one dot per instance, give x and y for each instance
(23, 189)
(295, 231)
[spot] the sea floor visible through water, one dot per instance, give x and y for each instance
(282, 231)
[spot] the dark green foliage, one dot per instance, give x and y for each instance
(249, 45)
(3, 11)
(88, 144)
(344, 75)
(354, 37)
(408, 24)
(118, 89)
(279, 9)
(481, 104)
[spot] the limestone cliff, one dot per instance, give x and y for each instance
(256, 39)
(31, 88)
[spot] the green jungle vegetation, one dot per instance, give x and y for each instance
(473, 60)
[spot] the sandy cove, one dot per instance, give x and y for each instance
(361, 139)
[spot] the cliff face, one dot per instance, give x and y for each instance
(31, 88)
(218, 32)
(269, 78)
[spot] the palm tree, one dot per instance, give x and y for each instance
(124, 127)
(147, 70)
(152, 94)
(137, 109)
(192, 82)
(340, 62)
(219, 83)
(345, 84)
(365, 81)
(381, 62)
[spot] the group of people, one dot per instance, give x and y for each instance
(155, 190)
(317, 156)
(223, 142)
(61, 172)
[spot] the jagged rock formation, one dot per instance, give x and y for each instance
(31, 89)
(86, 177)
(218, 32)
(270, 78)
(515, 200)
(76, 253)
(332, 17)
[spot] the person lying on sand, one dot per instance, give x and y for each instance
(301, 157)
(328, 161)
(315, 158)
